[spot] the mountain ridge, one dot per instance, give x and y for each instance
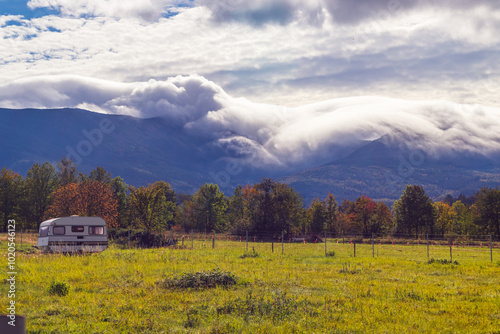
(146, 150)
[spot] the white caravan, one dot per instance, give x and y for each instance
(73, 234)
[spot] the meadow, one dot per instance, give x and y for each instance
(301, 291)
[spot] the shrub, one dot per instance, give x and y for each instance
(59, 288)
(252, 254)
(140, 238)
(202, 280)
(331, 253)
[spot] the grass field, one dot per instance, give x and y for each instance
(302, 291)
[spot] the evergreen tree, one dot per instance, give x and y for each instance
(414, 212)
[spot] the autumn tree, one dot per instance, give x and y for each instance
(365, 216)
(89, 199)
(149, 207)
(210, 208)
(382, 222)
(414, 212)
(363, 212)
(346, 218)
(445, 219)
(40, 183)
(11, 192)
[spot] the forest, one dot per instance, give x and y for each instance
(265, 208)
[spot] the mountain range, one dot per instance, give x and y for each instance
(144, 150)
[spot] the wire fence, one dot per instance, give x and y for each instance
(457, 248)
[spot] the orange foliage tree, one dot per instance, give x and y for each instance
(91, 199)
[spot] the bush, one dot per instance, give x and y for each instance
(59, 288)
(140, 238)
(252, 254)
(331, 253)
(202, 280)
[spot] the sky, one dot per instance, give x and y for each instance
(277, 78)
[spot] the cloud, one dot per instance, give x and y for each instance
(148, 10)
(260, 12)
(420, 54)
(348, 12)
(264, 134)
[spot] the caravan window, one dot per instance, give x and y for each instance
(76, 228)
(58, 230)
(44, 231)
(96, 229)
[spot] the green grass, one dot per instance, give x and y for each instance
(302, 291)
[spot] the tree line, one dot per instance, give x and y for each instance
(267, 207)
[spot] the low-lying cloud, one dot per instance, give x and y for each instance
(264, 134)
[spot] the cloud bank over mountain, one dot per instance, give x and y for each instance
(271, 135)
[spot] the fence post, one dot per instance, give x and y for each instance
(282, 243)
(272, 246)
(21, 237)
(451, 254)
(373, 246)
(354, 243)
(192, 240)
(491, 247)
(213, 240)
(247, 240)
(427, 246)
(325, 245)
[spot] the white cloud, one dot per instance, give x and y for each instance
(145, 9)
(263, 134)
(340, 11)
(101, 55)
(420, 53)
